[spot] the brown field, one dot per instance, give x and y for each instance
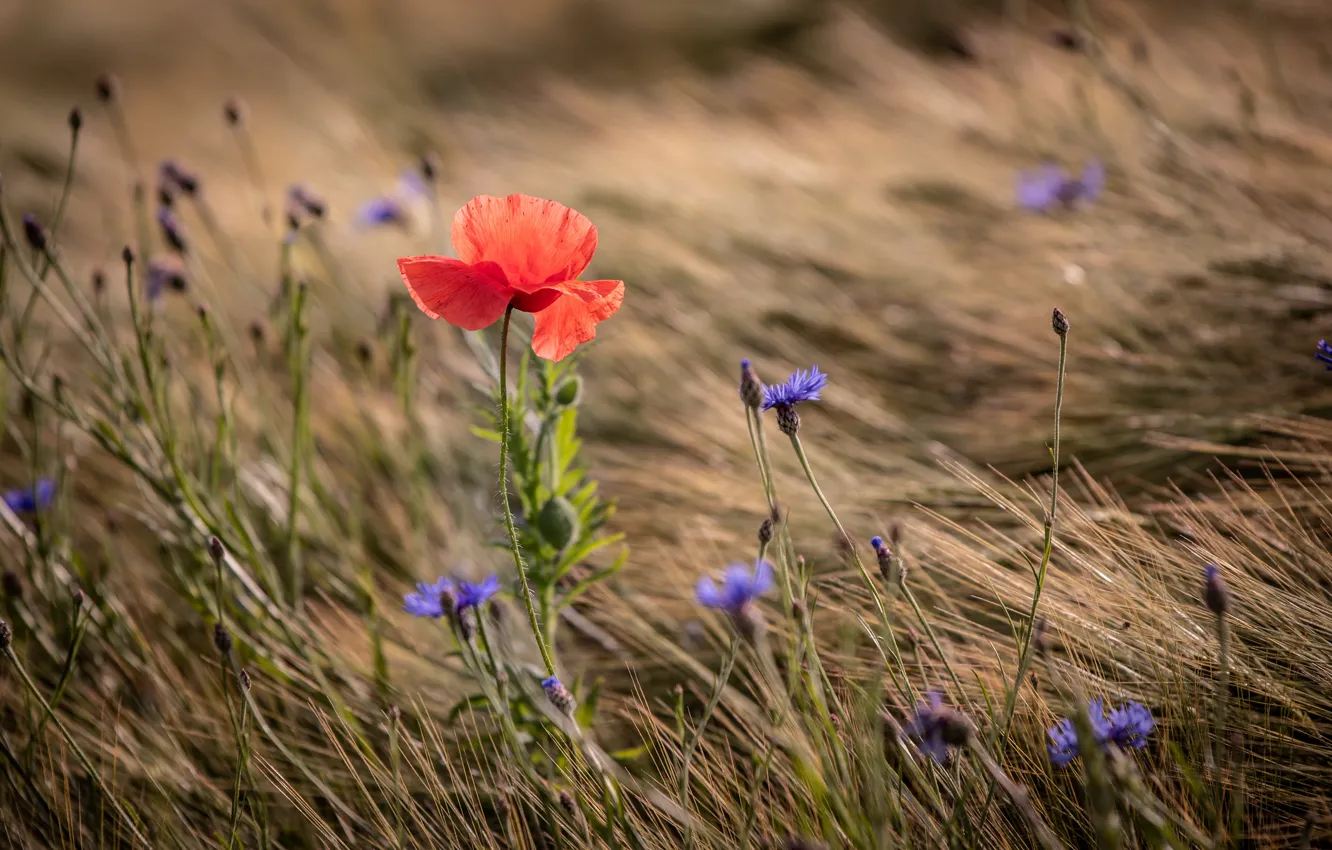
(794, 182)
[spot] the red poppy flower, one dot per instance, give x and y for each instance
(523, 251)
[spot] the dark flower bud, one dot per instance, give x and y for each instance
(75, 120)
(890, 567)
(245, 678)
(127, 255)
(172, 231)
(571, 808)
(34, 232)
(1040, 641)
(216, 550)
(466, 620)
(364, 353)
(77, 598)
(788, 420)
(559, 695)
(165, 199)
(1059, 322)
(256, 333)
(6, 635)
(1215, 593)
(430, 167)
(222, 639)
(12, 584)
(98, 281)
(765, 532)
(233, 111)
(751, 388)
(108, 87)
(797, 609)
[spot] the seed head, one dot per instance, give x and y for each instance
(234, 111)
(12, 584)
(6, 635)
(559, 695)
(751, 388)
(108, 87)
(765, 532)
(1215, 593)
(34, 232)
(222, 639)
(1059, 322)
(75, 120)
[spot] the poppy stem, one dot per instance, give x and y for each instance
(528, 600)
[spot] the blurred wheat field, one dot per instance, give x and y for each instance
(791, 181)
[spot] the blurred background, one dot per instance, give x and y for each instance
(797, 181)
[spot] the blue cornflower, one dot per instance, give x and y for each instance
(740, 586)
(935, 728)
(30, 500)
(1127, 726)
(474, 595)
(801, 386)
(393, 208)
(1324, 353)
(1050, 186)
(430, 600)
(380, 211)
(1130, 724)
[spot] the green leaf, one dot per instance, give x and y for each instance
(558, 522)
(599, 576)
(486, 434)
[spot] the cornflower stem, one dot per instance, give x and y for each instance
(64, 199)
(80, 628)
(754, 421)
(1219, 700)
(832, 514)
(298, 356)
(1020, 796)
(691, 741)
(1047, 549)
(130, 822)
(529, 600)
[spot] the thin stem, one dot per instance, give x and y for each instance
(528, 599)
(1220, 698)
(1047, 549)
(1019, 795)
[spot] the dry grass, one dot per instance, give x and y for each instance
(832, 196)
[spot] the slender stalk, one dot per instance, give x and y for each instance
(528, 599)
(64, 198)
(1219, 700)
(1019, 795)
(1005, 725)
(723, 676)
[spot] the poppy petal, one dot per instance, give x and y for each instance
(462, 295)
(572, 319)
(535, 241)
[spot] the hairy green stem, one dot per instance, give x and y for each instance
(528, 599)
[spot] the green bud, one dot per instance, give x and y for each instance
(569, 392)
(558, 522)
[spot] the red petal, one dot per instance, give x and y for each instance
(462, 295)
(572, 319)
(535, 241)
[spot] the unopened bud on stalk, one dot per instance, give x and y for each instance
(765, 532)
(1215, 593)
(33, 232)
(216, 550)
(559, 695)
(788, 420)
(6, 635)
(222, 639)
(1059, 322)
(245, 678)
(107, 87)
(751, 388)
(75, 120)
(77, 598)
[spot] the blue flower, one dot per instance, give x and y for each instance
(1050, 186)
(428, 601)
(30, 500)
(474, 595)
(380, 211)
(1127, 726)
(801, 386)
(1324, 353)
(1130, 724)
(927, 726)
(740, 586)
